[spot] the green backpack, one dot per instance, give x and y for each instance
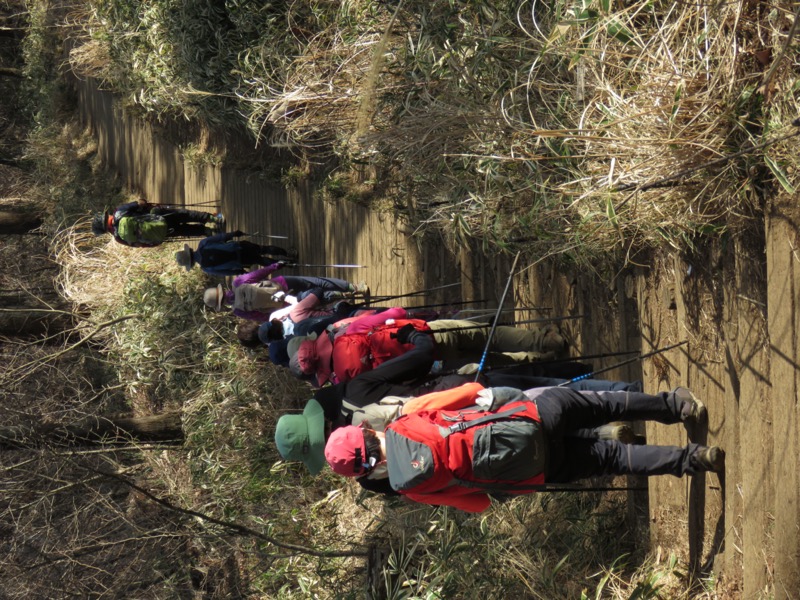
(148, 230)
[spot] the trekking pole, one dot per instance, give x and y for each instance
(209, 204)
(539, 320)
(497, 316)
(216, 204)
(523, 308)
(441, 304)
(292, 264)
(621, 364)
(267, 235)
(566, 487)
(458, 303)
(553, 361)
(417, 293)
(185, 238)
(388, 298)
(550, 487)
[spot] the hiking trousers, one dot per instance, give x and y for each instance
(304, 283)
(459, 342)
(183, 222)
(563, 410)
(255, 254)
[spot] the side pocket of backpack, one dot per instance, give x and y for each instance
(509, 450)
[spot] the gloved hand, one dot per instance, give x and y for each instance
(468, 369)
(403, 335)
(281, 264)
(239, 233)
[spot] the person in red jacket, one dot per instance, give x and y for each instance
(363, 343)
(453, 457)
(380, 395)
(353, 346)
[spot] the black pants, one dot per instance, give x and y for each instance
(563, 410)
(183, 222)
(305, 283)
(255, 254)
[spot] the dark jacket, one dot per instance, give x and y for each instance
(219, 255)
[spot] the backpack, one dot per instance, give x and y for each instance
(147, 230)
(448, 451)
(357, 353)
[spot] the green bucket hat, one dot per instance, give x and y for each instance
(302, 437)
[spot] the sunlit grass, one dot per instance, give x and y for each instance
(512, 123)
(521, 124)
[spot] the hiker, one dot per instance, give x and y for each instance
(221, 255)
(255, 295)
(144, 225)
(505, 441)
(366, 342)
(350, 346)
(312, 314)
(380, 395)
(262, 333)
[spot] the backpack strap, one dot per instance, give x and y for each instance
(462, 425)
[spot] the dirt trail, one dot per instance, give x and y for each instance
(735, 305)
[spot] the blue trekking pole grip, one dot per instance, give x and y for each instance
(622, 364)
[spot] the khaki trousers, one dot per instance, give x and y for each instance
(461, 342)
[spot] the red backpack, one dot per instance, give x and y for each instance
(438, 455)
(357, 353)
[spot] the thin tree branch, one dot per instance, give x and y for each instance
(235, 527)
(56, 355)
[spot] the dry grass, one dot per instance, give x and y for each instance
(514, 123)
(181, 356)
(14, 183)
(517, 123)
(228, 466)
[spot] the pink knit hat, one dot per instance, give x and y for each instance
(346, 451)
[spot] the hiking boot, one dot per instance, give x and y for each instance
(691, 408)
(708, 458)
(621, 433)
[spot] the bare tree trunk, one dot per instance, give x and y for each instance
(95, 431)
